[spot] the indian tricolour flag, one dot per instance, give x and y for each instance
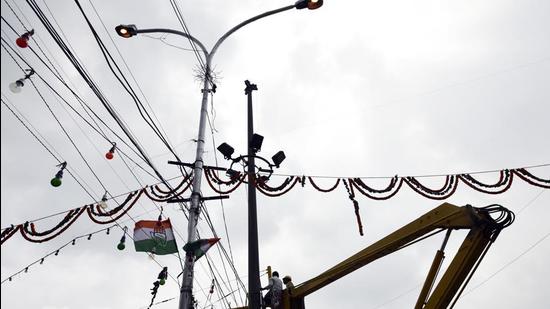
(199, 247)
(155, 236)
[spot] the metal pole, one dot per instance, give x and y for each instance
(186, 292)
(253, 255)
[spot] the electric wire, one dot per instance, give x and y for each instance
(90, 167)
(68, 136)
(26, 29)
(181, 20)
(81, 102)
(125, 84)
(414, 176)
(93, 86)
(524, 252)
(231, 260)
(47, 149)
(56, 251)
(163, 40)
(130, 71)
(36, 37)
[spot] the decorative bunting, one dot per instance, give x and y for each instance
(98, 215)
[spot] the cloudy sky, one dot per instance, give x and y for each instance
(354, 89)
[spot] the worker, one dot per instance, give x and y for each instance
(287, 280)
(273, 297)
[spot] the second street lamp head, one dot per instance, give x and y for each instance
(126, 31)
(310, 4)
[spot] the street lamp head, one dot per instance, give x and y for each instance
(256, 142)
(278, 158)
(226, 150)
(126, 31)
(310, 4)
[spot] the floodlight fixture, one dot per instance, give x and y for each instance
(256, 142)
(226, 150)
(126, 31)
(310, 4)
(278, 158)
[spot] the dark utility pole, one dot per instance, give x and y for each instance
(253, 255)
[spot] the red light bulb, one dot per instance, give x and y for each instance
(109, 155)
(22, 42)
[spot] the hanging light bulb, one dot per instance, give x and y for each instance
(109, 155)
(163, 275)
(16, 86)
(56, 181)
(121, 244)
(103, 203)
(23, 40)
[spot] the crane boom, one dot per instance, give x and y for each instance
(483, 231)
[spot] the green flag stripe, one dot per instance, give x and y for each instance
(147, 245)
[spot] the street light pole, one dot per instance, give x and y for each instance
(127, 31)
(253, 251)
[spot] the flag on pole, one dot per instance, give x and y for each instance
(199, 247)
(156, 237)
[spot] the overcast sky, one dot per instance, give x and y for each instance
(354, 89)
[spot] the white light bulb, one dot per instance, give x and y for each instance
(102, 204)
(15, 87)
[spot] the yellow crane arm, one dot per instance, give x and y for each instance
(483, 231)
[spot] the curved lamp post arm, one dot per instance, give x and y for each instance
(172, 31)
(244, 23)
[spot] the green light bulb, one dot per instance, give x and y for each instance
(162, 281)
(121, 246)
(56, 182)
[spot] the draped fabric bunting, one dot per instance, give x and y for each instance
(95, 213)
(29, 231)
